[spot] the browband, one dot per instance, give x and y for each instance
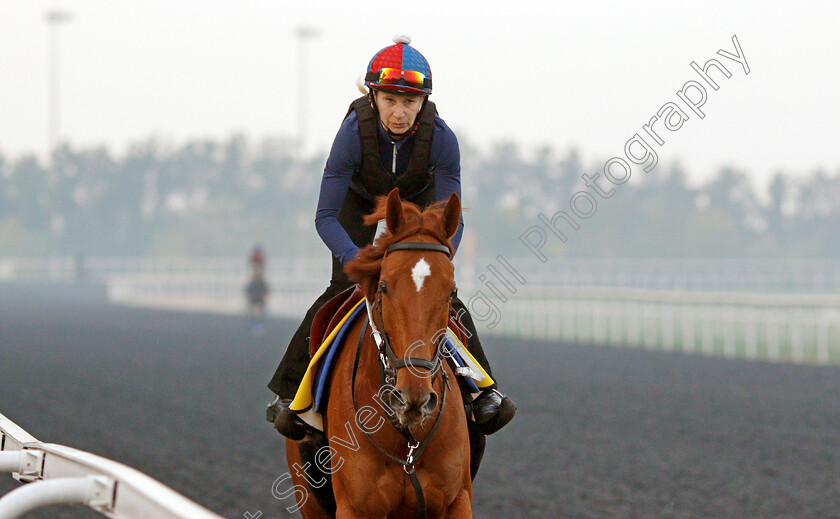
(418, 245)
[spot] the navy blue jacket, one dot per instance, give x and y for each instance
(346, 157)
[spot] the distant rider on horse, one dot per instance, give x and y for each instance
(393, 137)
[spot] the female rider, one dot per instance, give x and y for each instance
(390, 138)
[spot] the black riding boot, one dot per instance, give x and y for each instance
(491, 409)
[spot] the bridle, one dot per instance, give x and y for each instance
(389, 363)
(389, 360)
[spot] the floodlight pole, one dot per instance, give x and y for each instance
(302, 34)
(54, 18)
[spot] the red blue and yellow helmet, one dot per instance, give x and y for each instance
(399, 68)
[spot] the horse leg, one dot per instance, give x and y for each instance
(309, 509)
(308, 449)
(477, 444)
(344, 506)
(461, 508)
(346, 511)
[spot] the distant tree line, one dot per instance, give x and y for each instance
(218, 198)
(655, 214)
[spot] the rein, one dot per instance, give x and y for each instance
(389, 364)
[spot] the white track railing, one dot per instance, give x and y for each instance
(223, 293)
(778, 309)
(734, 275)
(801, 328)
(57, 474)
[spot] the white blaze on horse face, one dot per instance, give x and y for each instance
(419, 273)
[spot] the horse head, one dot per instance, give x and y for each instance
(408, 279)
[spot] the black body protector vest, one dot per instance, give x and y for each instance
(416, 183)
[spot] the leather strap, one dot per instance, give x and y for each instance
(408, 463)
(414, 245)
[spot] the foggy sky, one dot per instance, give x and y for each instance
(583, 74)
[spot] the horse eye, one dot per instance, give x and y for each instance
(383, 288)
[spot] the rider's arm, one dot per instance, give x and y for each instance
(446, 156)
(345, 157)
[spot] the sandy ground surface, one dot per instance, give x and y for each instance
(600, 432)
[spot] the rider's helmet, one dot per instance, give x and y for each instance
(399, 68)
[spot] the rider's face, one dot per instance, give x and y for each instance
(397, 111)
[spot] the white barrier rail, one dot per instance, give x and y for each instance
(800, 328)
(57, 474)
(767, 319)
(223, 293)
(65, 268)
(811, 275)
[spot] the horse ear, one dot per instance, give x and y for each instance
(394, 211)
(452, 215)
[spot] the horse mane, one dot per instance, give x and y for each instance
(366, 267)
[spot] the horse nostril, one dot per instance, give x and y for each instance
(396, 401)
(431, 403)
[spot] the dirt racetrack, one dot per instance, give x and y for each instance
(600, 432)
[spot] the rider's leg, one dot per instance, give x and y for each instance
(293, 366)
(467, 325)
(289, 373)
(491, 409)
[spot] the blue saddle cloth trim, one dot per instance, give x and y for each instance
(324, 370)
(323, 373)
(453, 352)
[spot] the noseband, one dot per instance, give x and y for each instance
(389, 364)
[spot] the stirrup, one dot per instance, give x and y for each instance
(287, 423)
(492, 411)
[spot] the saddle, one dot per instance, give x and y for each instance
(330, 314)
(329, 326)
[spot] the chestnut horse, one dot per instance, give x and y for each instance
(399, 447)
